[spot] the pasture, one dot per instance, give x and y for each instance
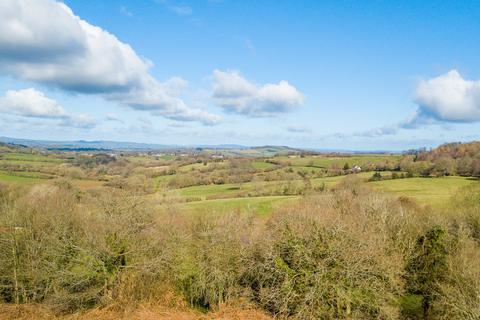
(324, 161)
(430, 191)
(20, 178)
(28, 157)
(291, 176)
(254, 205)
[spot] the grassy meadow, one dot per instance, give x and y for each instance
(429, 191)
(335, 160)
(31, 169)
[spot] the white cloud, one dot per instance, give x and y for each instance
(182, 10)
(296, 128)
(236, 94)
(179, 8)
(250, 47)
(84, 121)
(113, 117)
(378, 132)
(31, 103)
(43, 41)
(58, 47)
(449, 98)
(124, 10)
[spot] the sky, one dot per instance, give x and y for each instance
(360, 75)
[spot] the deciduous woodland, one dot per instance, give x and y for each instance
(202, 234)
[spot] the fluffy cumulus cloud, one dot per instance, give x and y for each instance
(31, 103)
(45, 42)
(237, 95)
(449, 98)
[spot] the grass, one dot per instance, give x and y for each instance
(262, 204)
(141, 159)
(306, 168)
(328, 181)
(190, 167)
(430, 191)
(332, 181)
(258, 205)
(167, 157)
(27, 157)
(204, 191)
(29, 178)
(327, 162)
(261, 165)
(19, 179)
(208, 190)
(200, 165)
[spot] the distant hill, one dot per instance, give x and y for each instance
(225, 149)
(84, 145)
(102, 145)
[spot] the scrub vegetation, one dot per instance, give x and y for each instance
(193, 235)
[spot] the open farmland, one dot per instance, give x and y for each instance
(20, 178)
(268, 180)
(254, 205)
(432, 191)
(327, 161)
(214, 220)
(231, 160)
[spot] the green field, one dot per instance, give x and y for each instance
(26, 157)
(230, 190)
(327, 161)
(209, 190)
(253, 195)
(20, 178)
(262, 165)
(258, 205)
(167, 157)
(430, 191)
(191, 167)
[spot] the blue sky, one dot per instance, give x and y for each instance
(322, 74)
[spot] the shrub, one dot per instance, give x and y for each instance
(376, 177)
(426, 269)
(57, 249)
(346, 254)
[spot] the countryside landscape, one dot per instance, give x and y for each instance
(224, 159)
(280, 230)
